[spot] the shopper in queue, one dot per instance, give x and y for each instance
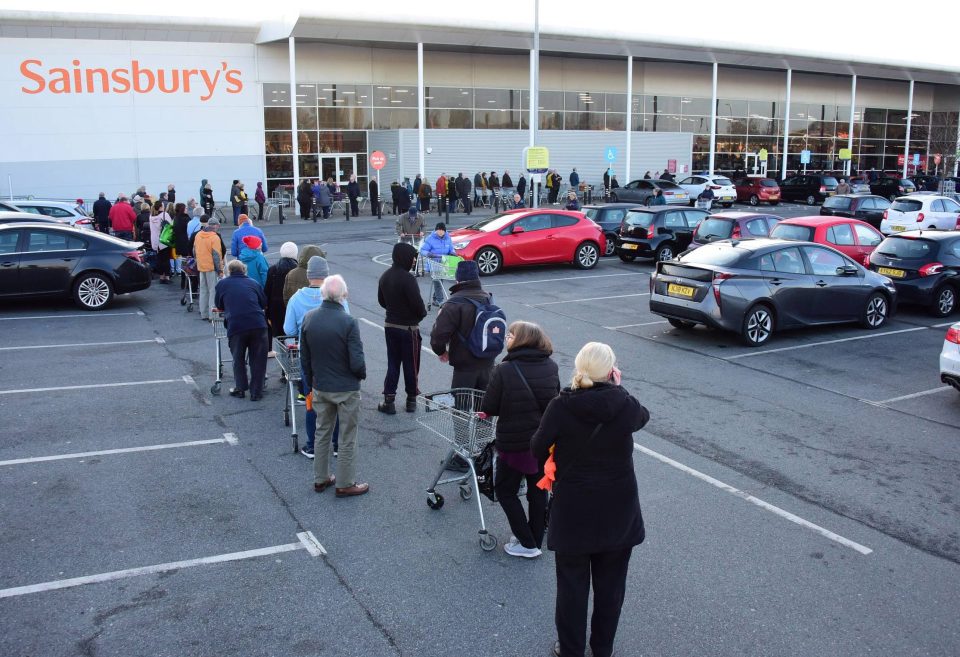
(243, 303)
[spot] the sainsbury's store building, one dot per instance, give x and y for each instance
(106, 103)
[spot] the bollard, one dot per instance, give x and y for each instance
(446, 212)
(280, 216)
(379, 208)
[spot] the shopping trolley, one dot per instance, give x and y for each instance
(452, 415)
(287, 352)
(219, 334)
(704, 204)
(442, 268)
(416, 241)
(191, 283)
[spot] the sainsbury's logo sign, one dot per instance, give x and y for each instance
(135, 78)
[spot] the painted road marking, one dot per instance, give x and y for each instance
(617, 296)
(84, 344)
(566, 278)
(846, 542)
(377, 326)
(228, 438)
(614, 328)
(304, 539)
(9, 319)
(823, 342)
(923, 393)
(96, 385)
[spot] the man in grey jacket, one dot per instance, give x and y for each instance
(331, 354)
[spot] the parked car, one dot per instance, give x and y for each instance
(640, 191)
(851, 237)
(733, 225)
(19, 217)
(608, 217)
(810, 189)
(757, 287)
(40, 259)
(859, 185)
(58, 210)
(755, 190)
(890, 188)
(925, 267)
(926, 183)
(950, 357)
(920, 211)
(658, 233)
(723, 190)
(8, 207)
(530, 237)
(856, 206)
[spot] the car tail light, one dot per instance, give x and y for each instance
(715, 187)
(736, 231)
(953, 335)
(957, 227)
(136, 256)
(823, 189)
(885, 215)
(930, 269)
(85, 222)
(651, 232)
(919, 217)
(719, 277)
(866, 260)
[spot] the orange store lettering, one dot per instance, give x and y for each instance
(136, 79)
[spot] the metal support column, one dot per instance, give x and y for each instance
(713, 120)
(421, 114)
(786, 128)
(295, 146)
(534, 96)
(906, 141)
(853, 103)
(626, 170)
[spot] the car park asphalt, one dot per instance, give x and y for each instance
(800, 498)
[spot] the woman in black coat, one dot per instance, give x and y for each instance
(520, 388)
(276, 276)
(305, 199)
(595, 517)
(181, 239)
(206, 200)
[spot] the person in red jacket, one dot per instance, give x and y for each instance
(441, 190)
(122, 218)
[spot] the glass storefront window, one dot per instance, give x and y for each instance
(394, 96)
(661, 105)
(897, 117)
(394, 119)
(497, 99)
(616, 121)
(306, 118)
(343, 142)
(276, 118)
(345, 95)
(731, 126)
(616, 102)
(583, 101)
(309, 166)
(347, 118)
(448, 97)
(551, 120)
(690, 106)
(307, 95)
(551, 101)
(897, 131)
(280, 167)
(497, 119)
(276, 95)
(583, 121)
(450, 118)
(277, 143)
(696, 124)
(874, 115)
(307, 141)
(731, 108)
(272, 185)
(665, 123)
(763, 109)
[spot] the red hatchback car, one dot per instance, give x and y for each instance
(851, 237)
(530, 237)
(756, 190)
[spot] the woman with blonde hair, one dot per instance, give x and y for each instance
(520, 388)
(595, 517)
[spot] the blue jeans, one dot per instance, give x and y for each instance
(310, 419)
(437, 292)
(236, 213)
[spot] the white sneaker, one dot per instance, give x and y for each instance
(517, 550)
(513, 541)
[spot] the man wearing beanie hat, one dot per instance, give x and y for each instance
(437, 245)
(410, 226)
(246, 228)
(276, 275)
(399, 294)
(253, 258)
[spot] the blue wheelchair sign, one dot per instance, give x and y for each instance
(611, 154)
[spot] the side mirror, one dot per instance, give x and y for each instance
(847, 270)
(516, 230)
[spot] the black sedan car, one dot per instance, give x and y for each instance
(756, 287)
(925, 267)
(810, 189)
(40, 259)
(890, 188)
(864, 207)
(659, 233)
(608, 217)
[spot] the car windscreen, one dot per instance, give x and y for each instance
(720, 255)
(665, 184)
(908, 248)
(642, 219)
(591, 213)
(907, 205)
(784, 231)
(722, 181)
(837, 203)
(830, 181)
(494, 223)
(766, 182)
(907, 183)
(712, 228)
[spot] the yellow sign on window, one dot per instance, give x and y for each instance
(538, 158)
(844, 154)
(762, 155)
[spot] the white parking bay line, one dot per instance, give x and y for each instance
(846, 542)
(84, 344)
(10, 319)
(616, 296)
(228, 438)
(818, 344)
(614, 328)
(922, 393)
(566, 278)
(377, 326)
(305, 541)
(95, 385)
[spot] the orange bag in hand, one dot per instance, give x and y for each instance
(549, 473)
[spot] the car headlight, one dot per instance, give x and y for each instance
(461, 245)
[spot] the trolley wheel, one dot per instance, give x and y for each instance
(296, 444)
(215, 388)
(435, 501)
(466, 492)
(286, 418)
(283, 377)
(488, 542)
(183, 300)
(190, 307)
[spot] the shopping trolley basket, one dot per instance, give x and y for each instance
(416, 241)
(191, 283)
(441, 268)
(287, 352)
(219, 334)
(452, 415)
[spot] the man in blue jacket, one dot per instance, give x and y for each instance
(437, 245)
(246, 228)
(244, 304)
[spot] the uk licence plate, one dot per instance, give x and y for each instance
(684, 291)
(898, 229)
(727, 198)
(628, 246)
(892, 273)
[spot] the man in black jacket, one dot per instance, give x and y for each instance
(399, 293)
(464, 188)
(101, 213)
(244, 304)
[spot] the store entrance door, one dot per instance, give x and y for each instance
(339, 166)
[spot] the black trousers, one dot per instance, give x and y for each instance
(477, 379)
(354, 207)
(254, 343)
(403, 350)
(467, 205)
(608, 572)
(506, 483)
(260, 215)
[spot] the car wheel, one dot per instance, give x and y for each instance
(611, 246)
(93, 291)
(627, 258)
(811, 200)
(665, 252)
(944, 301)
(586, 256)
(754, 200)
(680, 324)
(488, 261)
(757, 326)
(876, 311)
(614, 199)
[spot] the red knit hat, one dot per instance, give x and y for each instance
(252, 241)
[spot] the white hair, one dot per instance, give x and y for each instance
(236, 267)
(334, 288)
(592, 365)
